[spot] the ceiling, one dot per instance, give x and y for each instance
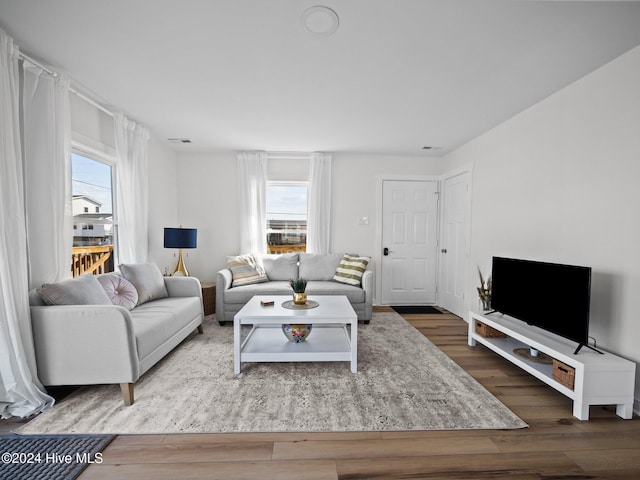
(396, 76)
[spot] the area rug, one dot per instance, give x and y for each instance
(404, 382)
(50, 457)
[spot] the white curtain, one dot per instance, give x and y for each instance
(132, 197)
(21, 394)
(319, 210)
(47, 171)
(252, 185)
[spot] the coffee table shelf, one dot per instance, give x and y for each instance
(333, 338)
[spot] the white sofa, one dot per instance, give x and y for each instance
(318, 269)
(80, 344)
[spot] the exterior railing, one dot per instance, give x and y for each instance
(286, 248)
(93, 260)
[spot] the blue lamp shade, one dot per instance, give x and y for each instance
(180, 237)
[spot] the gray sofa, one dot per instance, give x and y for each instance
(103, 342)
(318, 269)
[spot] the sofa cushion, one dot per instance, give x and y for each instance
(245, 270)
(82, 290)
(280, 267)
(318, 266)
(156, 322)
(354, 294)
(350, 270)
(147, 279)
(244, 294)
(120, 290)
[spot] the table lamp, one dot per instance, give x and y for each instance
(180, 238)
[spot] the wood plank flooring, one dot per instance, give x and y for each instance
(556, 445)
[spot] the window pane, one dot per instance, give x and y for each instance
(286, 210)
(92, 202)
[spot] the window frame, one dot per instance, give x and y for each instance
(288, 183)
(90, 153)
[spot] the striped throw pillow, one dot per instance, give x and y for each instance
(245, 270)
(350, 270)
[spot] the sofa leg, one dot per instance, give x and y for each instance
(200, 329)
(127, 393)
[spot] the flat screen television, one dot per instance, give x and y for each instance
(551, 296)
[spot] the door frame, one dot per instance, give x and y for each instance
(378, 224)
(380, 179)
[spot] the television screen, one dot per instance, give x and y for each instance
(551, 296)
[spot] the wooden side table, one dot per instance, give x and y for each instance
(209, 297)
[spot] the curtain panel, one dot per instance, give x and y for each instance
(21, 394)
(252, 185)
(47, 171)
(132, 190)
(319, 205)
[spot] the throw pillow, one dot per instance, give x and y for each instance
(245, 270)
(82, 290)
(319, 266)
(120, 290)
(281, 267)
(350, 270)
(147, 279)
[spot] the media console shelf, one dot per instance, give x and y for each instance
(599, 379)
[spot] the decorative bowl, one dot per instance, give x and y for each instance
(296, 333)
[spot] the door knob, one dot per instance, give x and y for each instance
(385, 251)
(444, 250)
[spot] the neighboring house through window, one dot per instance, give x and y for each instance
(92, 190)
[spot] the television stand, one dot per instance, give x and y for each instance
(600, 378)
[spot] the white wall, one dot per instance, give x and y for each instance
(92, 127)
(355, 179)
(207, 199)
(163, 202)
(559, 183)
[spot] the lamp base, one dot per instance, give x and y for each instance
(181, 268)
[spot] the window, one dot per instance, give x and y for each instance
(92, 192)
(286, 212)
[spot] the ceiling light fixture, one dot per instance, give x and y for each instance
(320, 21)
(179, 140)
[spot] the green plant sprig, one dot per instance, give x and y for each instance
(299, 285)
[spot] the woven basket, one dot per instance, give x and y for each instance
(487, 331)
(564, 374)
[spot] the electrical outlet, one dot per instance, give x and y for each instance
(363, 221)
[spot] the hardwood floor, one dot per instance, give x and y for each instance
(556, 445)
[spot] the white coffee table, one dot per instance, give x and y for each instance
(330, 339)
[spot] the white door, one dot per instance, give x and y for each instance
(409, 242)
(454, 248)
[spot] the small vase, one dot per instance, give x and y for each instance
(300, 298)
(485, 299)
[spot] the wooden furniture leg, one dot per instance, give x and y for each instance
(200, 329)
(127, 393)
